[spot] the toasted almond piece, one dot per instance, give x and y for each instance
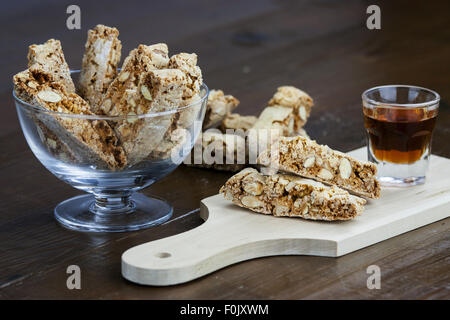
(146, 93)
(281, 210)
(49, 96)
(124, 76)
(345, 169)
(325, 174)
(51, 143)
(302, 113)
(309, 162)
(32, 84)
(254, 188)
(251, 202)
(132, 119)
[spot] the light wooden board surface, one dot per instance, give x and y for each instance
(232, 234)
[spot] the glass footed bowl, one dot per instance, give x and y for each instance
(71, 146)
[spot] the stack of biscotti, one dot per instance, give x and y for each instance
(144, 85)
(317, 183)
(149, 81)
(47, 83)
(288, 195)
(72, 138)
(285, 115)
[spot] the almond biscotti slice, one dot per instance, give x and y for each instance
(286, 112)
(91, 140)
(172, 142)
(49, 57)
(158, 90)
(215, 150)
(99, 65)
(187, 62)
(183, 125)
(286, 195)
(273, 122)
(299, 101)
(279, 118)
(235, 121)
(136, 65)
(218, 107)
(186, 123)
(57, 147)
(307, 158)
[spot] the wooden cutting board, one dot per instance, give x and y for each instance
(232, 234)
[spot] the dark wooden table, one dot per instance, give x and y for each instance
(246, 48)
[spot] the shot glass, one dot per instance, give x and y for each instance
(399, 120)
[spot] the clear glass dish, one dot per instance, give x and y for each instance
(162, 141)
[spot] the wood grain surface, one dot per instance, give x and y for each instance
(247, 48)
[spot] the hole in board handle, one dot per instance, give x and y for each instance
(163, 255)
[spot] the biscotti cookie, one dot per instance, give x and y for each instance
(286, 195)
(173, 140)
(187, 62)
(235, 121)
(58, 148)
(276, 118)
(136, 65)
(307, 158)
(144, 85)
(93, 140)
(219, 106)
(296, 99)
(158, 90)
(49, 57)
(182, 129)
(215, 150)
(99, 65)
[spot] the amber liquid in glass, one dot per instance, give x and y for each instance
(399, 135)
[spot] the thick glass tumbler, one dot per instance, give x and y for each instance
(399, 121)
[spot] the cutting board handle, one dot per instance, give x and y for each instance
(182, 257)
(213, 245)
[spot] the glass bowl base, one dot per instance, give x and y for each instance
(76, 214)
